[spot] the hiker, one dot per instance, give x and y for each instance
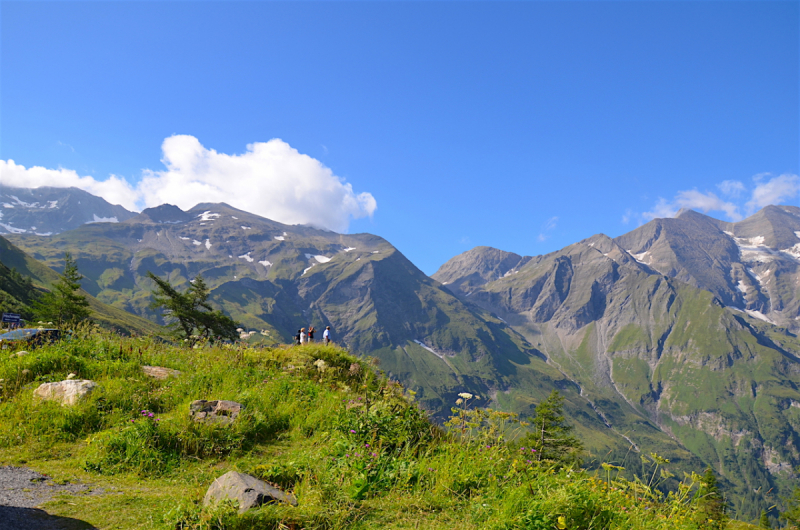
(311, 331)
(326, 335)
(303, 335)
(297, 338)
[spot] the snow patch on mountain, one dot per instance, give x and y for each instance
(52, 204)
(98, 219)
(320, 259)
(265, 263)
(184, 238)
(6, 205)
(196, 242)
(640, 257)
(280, 238)
(348, 249)
(246, 228)
(208, 244)
(759, 315)
(208, 215)
(12, 229)
(307, 269)
(247, 257)
(436, 353)
(793, 252)
(23, 203)
(741, 286)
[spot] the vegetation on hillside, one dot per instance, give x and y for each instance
(64, 305)
(351, 444)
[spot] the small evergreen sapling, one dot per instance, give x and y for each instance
(551, 436)
(64, 304)
(711, 506)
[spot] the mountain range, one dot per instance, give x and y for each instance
(678, 337)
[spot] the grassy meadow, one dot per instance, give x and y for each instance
(350, 444)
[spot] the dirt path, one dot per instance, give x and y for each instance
(21, 490)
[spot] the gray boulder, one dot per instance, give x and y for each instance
(67, 392)
(218, 411)
(248, 491)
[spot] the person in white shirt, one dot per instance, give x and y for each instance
(326, 335)
(303, 335)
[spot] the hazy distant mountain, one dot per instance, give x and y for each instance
(46, 211)
(670, 326)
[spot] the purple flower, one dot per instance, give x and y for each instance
(133, 421)
(366, 445)
(150, 415)
(347, 456)
(352, 431)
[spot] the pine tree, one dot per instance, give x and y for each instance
(763, 521)
(711, 507)
(792, 514)
(191, 316)
(64, 304)
(551, 436)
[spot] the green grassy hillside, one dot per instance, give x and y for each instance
(43, 277)
(352, 446)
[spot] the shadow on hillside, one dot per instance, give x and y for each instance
(14, 518)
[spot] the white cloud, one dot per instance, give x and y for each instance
(270, 179)
(731, 188)
(114, 189)
(694, 200)
(773, 191)
(548, 226)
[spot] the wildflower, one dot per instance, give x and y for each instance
(352, 431)
(347, 456)
(562, 522)
(459, 401)
(366, 445)
(150, 415)
(71, 376)
(133, 421)
(321, 365)
(465, 395)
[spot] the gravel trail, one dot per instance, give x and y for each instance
(21, 490)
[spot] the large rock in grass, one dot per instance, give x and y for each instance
(159, 372)
(67, 392)
(218, 411)
(248, 491)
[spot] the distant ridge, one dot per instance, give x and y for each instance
(47, 211)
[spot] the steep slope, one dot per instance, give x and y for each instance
(43, 277)
(278, 278)
(46, 211)
(656, 354)
(752, 265)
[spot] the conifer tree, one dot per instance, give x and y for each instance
(763, 521)
(792, 514)
(191, 316)
(711, 507)
(64, 304)
(551, 436)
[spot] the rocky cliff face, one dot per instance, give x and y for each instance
(670, 328)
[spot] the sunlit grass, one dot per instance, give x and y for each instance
(351, 445)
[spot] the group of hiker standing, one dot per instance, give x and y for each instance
(307, 337)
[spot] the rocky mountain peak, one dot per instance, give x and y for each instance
(47, 211)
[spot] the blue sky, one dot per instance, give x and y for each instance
(521, 125)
